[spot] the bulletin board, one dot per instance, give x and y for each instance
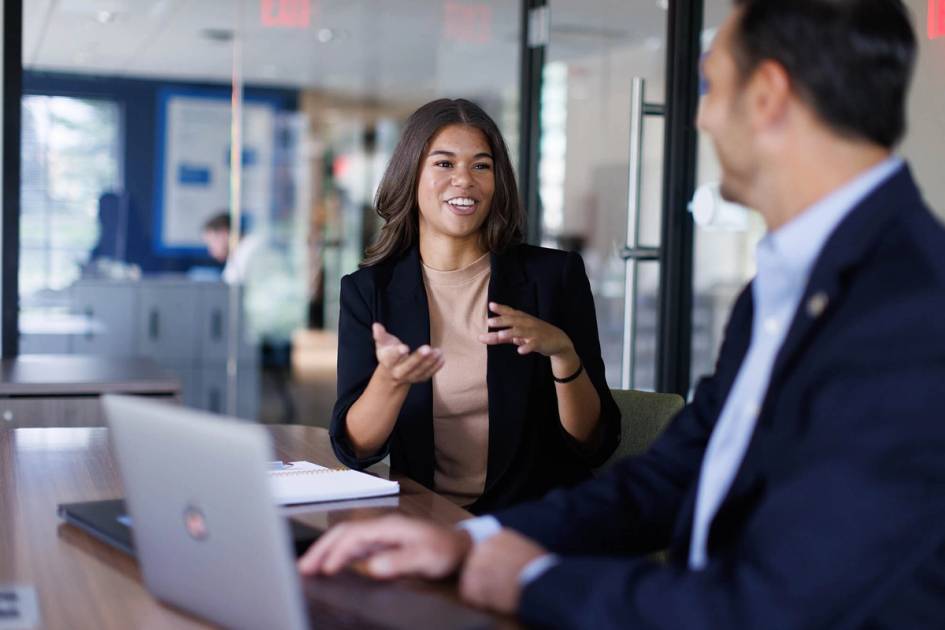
(192, 182)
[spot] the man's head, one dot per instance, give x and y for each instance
(216, 235)
(779, 69)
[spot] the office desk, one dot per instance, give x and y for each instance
(63, 391)
(83, 583)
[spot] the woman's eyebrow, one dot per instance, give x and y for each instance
(451, 154)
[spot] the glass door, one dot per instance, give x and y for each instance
(600, 166)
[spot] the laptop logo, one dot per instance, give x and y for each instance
(195, 523)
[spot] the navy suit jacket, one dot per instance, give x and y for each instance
(529, 451)
(836, 517)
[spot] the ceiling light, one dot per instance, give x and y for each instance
(325, 35)
(105, 17)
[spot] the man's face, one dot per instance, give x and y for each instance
(723, 115)
(218, 244)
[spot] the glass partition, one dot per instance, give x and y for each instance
(197, 176)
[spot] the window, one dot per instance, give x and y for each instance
(70, 156)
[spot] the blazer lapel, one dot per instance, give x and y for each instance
(508, 374)
(844, 250)
(407, 315)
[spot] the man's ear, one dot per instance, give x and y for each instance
(769, 94)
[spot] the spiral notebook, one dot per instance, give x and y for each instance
(305, 482)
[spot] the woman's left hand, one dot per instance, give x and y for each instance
(527, 332)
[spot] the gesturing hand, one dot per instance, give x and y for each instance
(401, 365)
(527, 332)
(391, 546)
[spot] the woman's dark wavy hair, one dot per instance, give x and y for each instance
(396, 199)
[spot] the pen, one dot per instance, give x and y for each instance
(279, 465)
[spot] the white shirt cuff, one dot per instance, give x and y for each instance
(480, 528)
(534, 569)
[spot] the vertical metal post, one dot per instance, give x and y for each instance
(635, 174)
(674, 345)
(10, 227)
(236, 214)
(535, 18)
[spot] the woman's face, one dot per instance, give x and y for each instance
(456, 183)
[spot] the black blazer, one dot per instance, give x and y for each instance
(835, 516)
(529, 451)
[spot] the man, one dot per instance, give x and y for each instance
(804, 486)
(216, 236)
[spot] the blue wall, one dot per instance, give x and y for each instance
(138, 100)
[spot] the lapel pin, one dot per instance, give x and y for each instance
(817, 304)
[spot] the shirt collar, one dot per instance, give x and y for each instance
(797, 244)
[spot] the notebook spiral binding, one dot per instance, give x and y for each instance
(320, 471)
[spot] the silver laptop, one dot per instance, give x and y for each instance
(208, 535)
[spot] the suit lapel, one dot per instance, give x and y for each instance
(845, 250)
(508, 375)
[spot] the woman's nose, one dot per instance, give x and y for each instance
(461, 177)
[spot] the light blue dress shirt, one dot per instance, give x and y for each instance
(784, 260)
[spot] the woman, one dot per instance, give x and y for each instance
(469, 357)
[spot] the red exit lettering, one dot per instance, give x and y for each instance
(936, 18)
(285, 13)
(467, 22)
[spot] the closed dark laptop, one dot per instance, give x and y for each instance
(106, 519)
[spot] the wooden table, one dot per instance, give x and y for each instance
(64, 390)
(83, 583)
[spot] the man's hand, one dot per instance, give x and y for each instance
(392, 546)
(490, 578)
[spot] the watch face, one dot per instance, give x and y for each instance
(195, 523)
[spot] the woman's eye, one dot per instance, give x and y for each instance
(483, 167)
(443, 163)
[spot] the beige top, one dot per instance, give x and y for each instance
(458, 312)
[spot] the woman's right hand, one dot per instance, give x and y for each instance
(400, 365)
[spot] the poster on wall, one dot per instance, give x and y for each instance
(193, 179)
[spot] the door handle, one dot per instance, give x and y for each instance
(632, 253)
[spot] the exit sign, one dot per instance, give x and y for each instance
(936, 18)
(285, 13)
(469, 22)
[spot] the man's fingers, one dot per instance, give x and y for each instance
(391, 563)
(358, 540)
(311, 561)
(470, 581)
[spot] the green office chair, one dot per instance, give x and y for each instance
(643, 416)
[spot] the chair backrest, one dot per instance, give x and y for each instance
(643, 416)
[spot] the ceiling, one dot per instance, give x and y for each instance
(393, 49)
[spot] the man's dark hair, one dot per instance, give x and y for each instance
(850, 60)
(217, 223)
